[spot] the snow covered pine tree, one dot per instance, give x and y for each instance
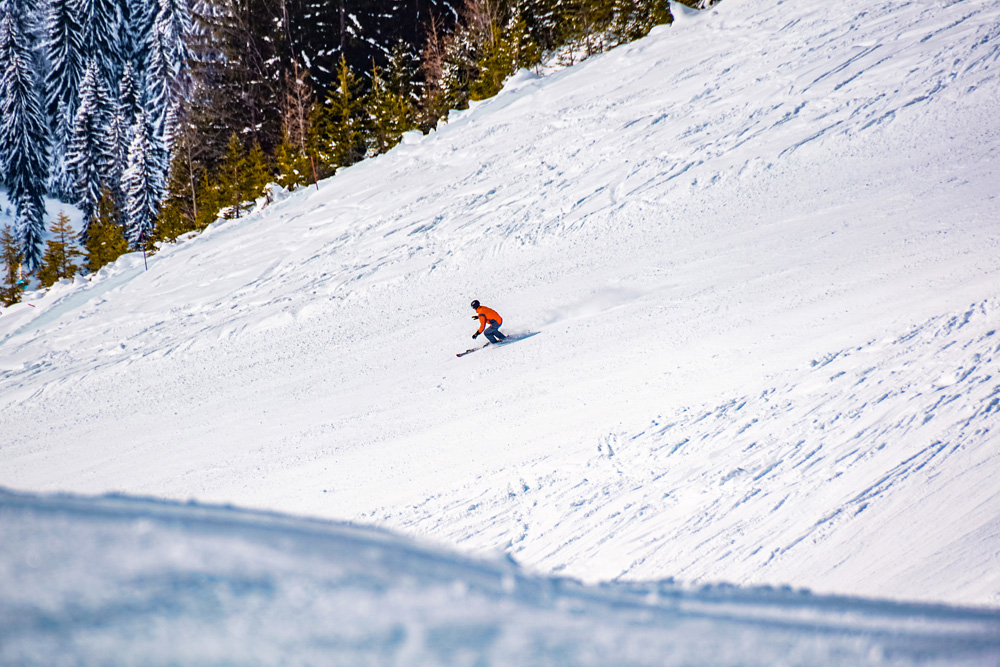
(90, 157)
(23, 138)
(63, 49)
(142, 185)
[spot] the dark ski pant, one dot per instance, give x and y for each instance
(493, 334)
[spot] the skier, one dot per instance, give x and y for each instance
(487, 316)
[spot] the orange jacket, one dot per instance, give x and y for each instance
(488, 315)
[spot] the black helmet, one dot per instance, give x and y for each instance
(475, 304)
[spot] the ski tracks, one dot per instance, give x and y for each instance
(727, 491)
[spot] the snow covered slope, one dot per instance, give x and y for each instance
(760, 252)
(125, 581)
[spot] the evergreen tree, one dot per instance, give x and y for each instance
(459, 67)
(546, 23)
(60, 251)
(106, 241)
(138, 17)
(589, 21)
(159, 152)
(659, 12)
(90, 158)
(124, 113)
(291, 165)
(232, 186)
(102, 30)
(63, 48)
(633, 19)
(403, 77)
(341, 123)
(256, 173)
(156, 97)
(173, 22)
(501, 55)
(119, 139)
(126, 46)
(528, 51)
(390, 114)
(129, 96)
(179, 211)
(23, 139)
(64, 52)
(10, 253)
(242, 177)
(170, 223)
(211, 201)
(141, 184)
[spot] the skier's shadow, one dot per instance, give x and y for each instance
(514, 337)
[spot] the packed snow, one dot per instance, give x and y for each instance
(752, 262)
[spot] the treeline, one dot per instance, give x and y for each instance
(198, 107)
(86, 93)
(299, 128)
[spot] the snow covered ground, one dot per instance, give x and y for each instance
(126, 581)
(760, 250)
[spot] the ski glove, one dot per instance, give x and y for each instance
(475, 335)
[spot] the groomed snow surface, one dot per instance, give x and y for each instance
(754, 264)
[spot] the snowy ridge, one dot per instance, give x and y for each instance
(759, 249)
(128, 581)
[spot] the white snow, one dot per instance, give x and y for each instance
(126, 581)
(759, 250)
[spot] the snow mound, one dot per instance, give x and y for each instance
(118, 580)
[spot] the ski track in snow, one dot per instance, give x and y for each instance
(760, 249)
(860, 432)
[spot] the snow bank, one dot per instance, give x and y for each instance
(117, 580)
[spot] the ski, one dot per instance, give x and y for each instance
(472, 349)
(510, 338)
